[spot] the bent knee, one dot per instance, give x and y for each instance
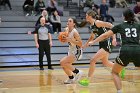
(114, 73)
(62, 63)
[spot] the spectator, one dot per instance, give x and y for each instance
(45, 15)
(130, 1)
(103, 12)
(4, 2)
(43, 42)
(137, 11)
(52, 6)
(56, 22)
(88, 3)
(95, 7)
(112, 3)
(28, 7)
(122, 3)
(39, 6)
(47, 19)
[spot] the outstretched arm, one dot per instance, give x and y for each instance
(92, 35)
(104, 24)
(101, 37)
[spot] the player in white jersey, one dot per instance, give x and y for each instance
(74, 52)
(74, 49)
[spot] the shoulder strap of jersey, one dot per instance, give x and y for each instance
(94, 25)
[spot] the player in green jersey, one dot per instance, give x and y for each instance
(97, 28)
(130, 49)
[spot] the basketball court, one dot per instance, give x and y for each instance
(33, 80)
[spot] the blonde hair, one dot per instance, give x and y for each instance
(93, 14)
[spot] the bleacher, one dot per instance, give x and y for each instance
(17, 48)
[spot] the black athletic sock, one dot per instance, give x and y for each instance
(76, 71)
(71, 77)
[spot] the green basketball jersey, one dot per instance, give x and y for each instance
(105, 44)
(130, 33)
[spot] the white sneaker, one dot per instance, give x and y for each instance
(119, 91)
(27, 14)
(69, 81)
(55, 32)
(78, 75)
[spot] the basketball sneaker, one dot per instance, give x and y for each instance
(78, 75)
(84, 82)
(122, 73)
(69, 81)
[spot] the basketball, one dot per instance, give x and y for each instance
(62, 36)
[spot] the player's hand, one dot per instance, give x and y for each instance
(90, 43)
(85, 45)
(114, 42)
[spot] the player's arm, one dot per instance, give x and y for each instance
(92, 35)
(101, 37)
(103, 24)
(76, 40)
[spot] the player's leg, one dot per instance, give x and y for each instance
(99, 55)
(116, 78)
(136, 57)
(78, 73)
(66, 63)
(121, 61)
(105, 60)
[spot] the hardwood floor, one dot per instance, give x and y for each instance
(32, 80)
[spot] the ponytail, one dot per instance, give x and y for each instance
(81, 24)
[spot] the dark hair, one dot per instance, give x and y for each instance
(94, 14)
(79, 24)
(129, 16)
